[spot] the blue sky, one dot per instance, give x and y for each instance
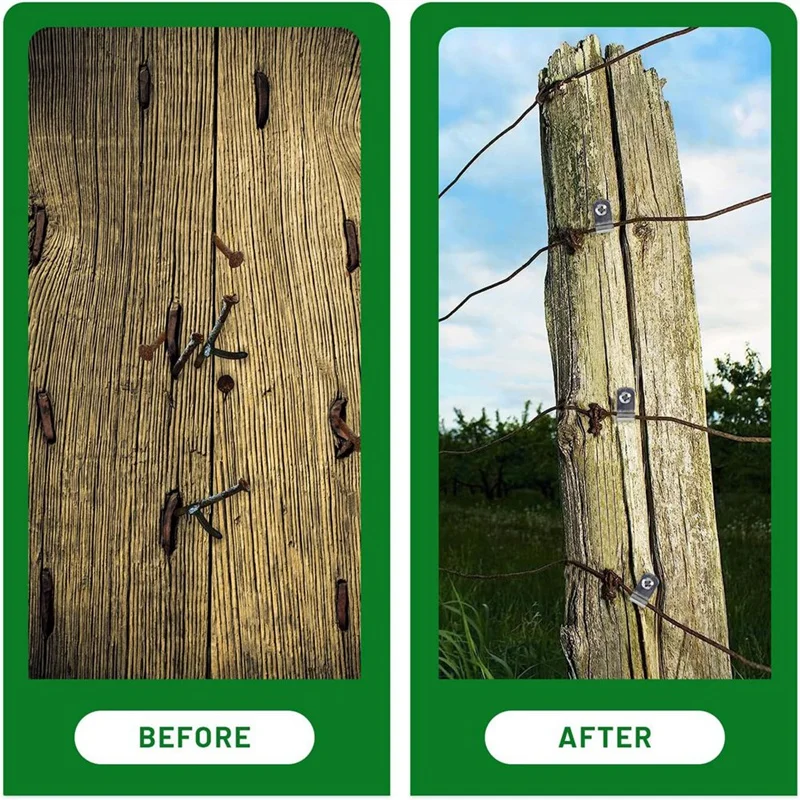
(493, 353)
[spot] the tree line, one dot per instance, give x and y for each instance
(738, 400)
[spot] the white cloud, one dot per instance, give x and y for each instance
(733, 303)
(513, 162)
(751, 112)
(715, 179)
(457, 337)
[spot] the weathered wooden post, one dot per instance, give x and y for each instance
(621, 311)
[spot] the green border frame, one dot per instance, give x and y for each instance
(350, 717)
(449, 718)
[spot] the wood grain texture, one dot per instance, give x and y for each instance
(666, 332)
(610, 324)
(133, 195)
(282, 196)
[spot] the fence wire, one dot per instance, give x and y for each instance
(596, 413)
(611, 584)
(547, 92)
(572, 239)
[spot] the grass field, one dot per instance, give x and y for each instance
(510, 628)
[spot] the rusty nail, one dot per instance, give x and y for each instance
(146, 350)
(234, 259)
(262, 98)
(168, 523)
(342, 605)
(241, 486)
(225, 384)
(144, 86)
(195, 340)
(46, 415)
(346, 441)
(228, 302)
(353, 252)
(174, 320)
(206, 525)
(39, 233)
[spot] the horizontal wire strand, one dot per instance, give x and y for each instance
(627, 590)
(604, 413)
(548, 90)
(569, 239)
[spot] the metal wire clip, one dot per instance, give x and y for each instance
(645, 589)
(602, 216)
(626, 404)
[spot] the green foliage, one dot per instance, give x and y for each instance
(520, 618)
(739, 400)
(463, 652)
(525, 461)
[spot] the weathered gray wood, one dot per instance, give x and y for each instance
(621, 311)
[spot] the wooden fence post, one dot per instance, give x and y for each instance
(621, 311)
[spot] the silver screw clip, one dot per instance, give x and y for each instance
(602, 216)
(645, 589)
(626, 404)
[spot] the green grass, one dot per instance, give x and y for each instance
(510, 628)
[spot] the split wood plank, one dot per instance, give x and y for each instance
(605, 309)
(667, 342)
(130, 209)
(283, 194)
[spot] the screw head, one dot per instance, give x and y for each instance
(625, 397)
(601, 209)
(647, 583)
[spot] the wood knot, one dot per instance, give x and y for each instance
(611, 584)
(572, 240)
(596, 416)
(643, 230)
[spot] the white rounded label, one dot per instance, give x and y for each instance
(194, 737)
(605, 737)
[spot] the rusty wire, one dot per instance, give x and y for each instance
(596, 413)
(546, 92)
(573, 238)
(611, 582)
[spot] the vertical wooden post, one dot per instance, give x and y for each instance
(621, 311)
